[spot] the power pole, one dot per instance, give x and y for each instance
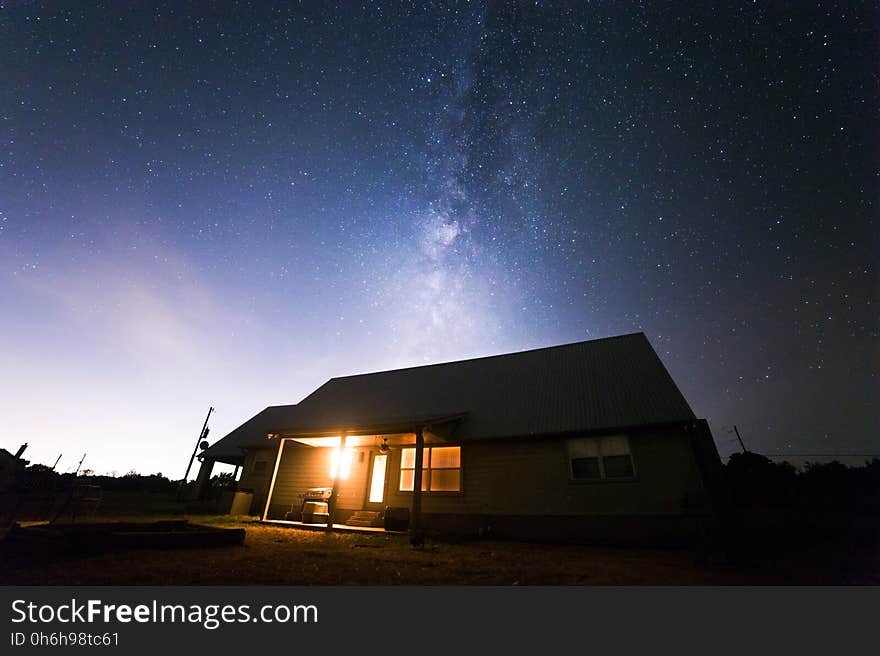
(198, 441)
(736, 430)
(69, 498)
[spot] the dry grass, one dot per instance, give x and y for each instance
(275, 555)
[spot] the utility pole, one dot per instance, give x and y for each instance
(198, 441)
(70, 496)
(736, 430)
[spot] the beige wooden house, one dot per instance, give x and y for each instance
(588, 440)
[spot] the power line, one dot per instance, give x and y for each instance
(735, 430)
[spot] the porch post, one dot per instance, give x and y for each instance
(331, 503)
(274, 474)
(415, 535)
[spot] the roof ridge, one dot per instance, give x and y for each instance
(487, 357)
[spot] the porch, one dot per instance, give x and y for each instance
(357, 479)
(340, 528)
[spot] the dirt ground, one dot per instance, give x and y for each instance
(275, 555)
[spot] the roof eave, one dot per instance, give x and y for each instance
(407, 425)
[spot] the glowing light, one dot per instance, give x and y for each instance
(377, 482)
(343, 469)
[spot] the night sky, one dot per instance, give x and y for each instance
(229, 203)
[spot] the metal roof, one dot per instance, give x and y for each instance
(251, 433)
(600, 384)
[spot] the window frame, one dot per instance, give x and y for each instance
(602, 479)
(426, 471)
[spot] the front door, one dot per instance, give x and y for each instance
(376, 481)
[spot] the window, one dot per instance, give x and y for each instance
(441, 469)
(597, 458)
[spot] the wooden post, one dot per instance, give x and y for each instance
(196, 448)
(331, 503)
(415, 535)
(274, 474)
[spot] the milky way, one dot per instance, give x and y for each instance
(229, 205)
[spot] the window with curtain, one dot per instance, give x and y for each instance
(441, 469)
(598, 458)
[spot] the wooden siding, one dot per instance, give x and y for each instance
(257, 482)
(303, 467)
(531, 477)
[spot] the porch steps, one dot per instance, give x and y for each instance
(365, 518)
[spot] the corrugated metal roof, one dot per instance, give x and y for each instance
(600, 384)
(251, 433)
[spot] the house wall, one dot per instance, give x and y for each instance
(522, 488)
(303, 467)
(255, 481)
(531, 477)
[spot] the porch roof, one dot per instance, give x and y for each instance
(377, 425)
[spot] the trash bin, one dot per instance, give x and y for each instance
(396, 518)
(315, 512)
(241, 503)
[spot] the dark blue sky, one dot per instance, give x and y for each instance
(229, 203)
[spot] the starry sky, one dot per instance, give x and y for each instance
(229, 203)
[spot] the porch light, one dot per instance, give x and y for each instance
(384, 448)
(340, 466)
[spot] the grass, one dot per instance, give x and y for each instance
(274, 555)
